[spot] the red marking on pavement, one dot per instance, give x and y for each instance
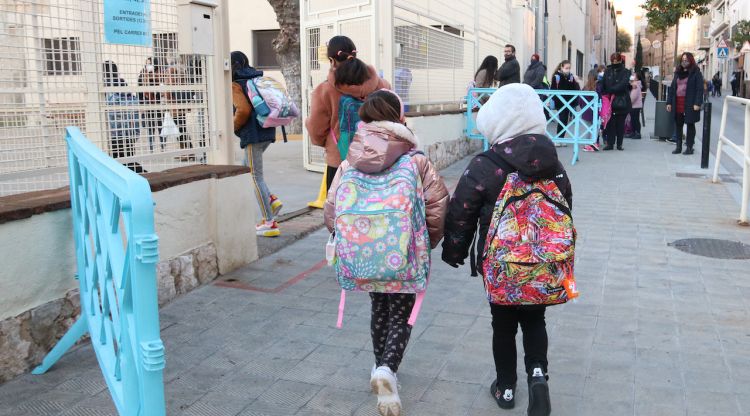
(294, 280)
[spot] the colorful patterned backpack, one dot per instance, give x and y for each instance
(530, 246)
(381, 239)
(273, 106)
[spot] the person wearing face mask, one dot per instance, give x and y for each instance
(510, 71)
(637, 101)
(563, 79)
(534, 75)
(616, 84)
(685, 99)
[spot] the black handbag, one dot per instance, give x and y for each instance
(621, 103)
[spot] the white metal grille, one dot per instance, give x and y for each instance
(57, 71)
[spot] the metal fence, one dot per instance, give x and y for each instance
(116, 256)
(743, 152)
(576, 130)
(58, 71)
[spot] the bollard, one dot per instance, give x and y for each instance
(706, 140)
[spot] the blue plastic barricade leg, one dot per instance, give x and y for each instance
(575, 130)
(116, 255)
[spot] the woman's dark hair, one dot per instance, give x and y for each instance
(239, 61)
(349, 70)
(562, 64)
(381, 105)
(690, 59)
(111, 75)
(489, 64)
(616, 56)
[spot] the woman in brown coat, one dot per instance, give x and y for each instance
(348, 76)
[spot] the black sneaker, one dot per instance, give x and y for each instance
(539, 404)
(688, 151)
(608, 147)
(505, 396)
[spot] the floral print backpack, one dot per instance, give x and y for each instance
(529, 252)
(381, 239)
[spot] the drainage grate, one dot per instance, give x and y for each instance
(722, 176)
(710, 247)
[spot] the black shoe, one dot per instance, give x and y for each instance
(620, 148)
(505, 396)
(671, 140)
(637, 136)
(688, 151)
(608, 147)
(539, 403)
(677, 151)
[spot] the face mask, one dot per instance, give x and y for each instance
(565, 71)
(600, 76)
(149, 68)
(685, 65)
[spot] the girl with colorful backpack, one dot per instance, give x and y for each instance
(518, 194)
(386, 207)
(349, 81)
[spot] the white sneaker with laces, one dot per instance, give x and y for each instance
(385, 385)
(268, 229)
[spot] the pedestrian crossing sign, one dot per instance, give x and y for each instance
(722, 53)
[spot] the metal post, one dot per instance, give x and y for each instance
(706, 139)
(546, 32)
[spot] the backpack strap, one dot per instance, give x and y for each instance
(342, 301)
(283, 133)
(416, 308)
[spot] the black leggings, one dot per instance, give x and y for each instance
(635, 120)
(564, 116)
(616, 129)
(679, 121)
(505, 321)
(389, 327)
(330, 173)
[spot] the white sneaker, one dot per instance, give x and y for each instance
(268, 229)
(385, 385)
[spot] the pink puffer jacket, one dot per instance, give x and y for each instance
(376, 147)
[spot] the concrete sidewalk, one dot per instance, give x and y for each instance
(656, 331)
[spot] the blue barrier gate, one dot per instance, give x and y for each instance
(578, 131)
(116, 256)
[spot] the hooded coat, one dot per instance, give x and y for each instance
(324, 110)
(375, 148)
(513, 121)
(534, 75)
(693, 96)
(246, 126)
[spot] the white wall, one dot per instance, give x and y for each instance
(435, 129)
(566, 19)
(39, 256)
(246, 16)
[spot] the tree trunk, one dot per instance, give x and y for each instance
(287, 49)
(677, 43)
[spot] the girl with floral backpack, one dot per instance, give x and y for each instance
(386, 207)
(518, 195)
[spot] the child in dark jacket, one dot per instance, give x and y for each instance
(563, 79)
(513, 120)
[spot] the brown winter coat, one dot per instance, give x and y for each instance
(324, 110)
(376, 147)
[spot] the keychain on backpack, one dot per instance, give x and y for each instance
(570, 289)
(331, 250)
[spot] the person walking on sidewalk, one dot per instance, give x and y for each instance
(534, 75)
(735, 83)
(685, 99)
(716, 81)
(616, 84)
(563, 80)
(382, 141)
(255, 139)
(513, 120)
(510, 71)
(636, 98)
(348, 76)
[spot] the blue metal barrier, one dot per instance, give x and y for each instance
(577, 131)
(116, 256)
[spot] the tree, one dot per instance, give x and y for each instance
(287, 50)
(638, 55)
(624, 40)
(664, 14)
(741, 34)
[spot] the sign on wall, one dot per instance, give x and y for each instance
(127, 22)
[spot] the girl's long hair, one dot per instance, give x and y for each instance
(350, 70)
(489, 64)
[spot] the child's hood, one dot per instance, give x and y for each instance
(378, 145)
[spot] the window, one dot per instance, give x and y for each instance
(62, 56)
(570, 50)
(579, 63)
(264, 57)
(314, 42)
(165, 48)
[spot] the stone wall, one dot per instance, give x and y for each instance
(444, 154)
(25, 339)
